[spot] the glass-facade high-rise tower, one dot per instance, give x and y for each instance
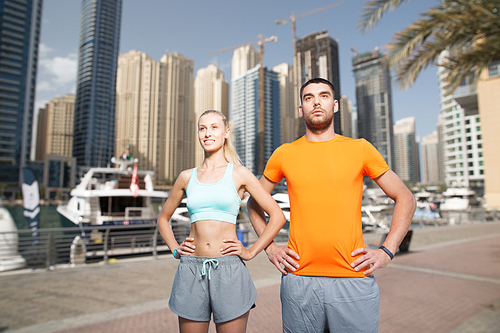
(289, 113)
(430, 155)
(245, 117)
(19, 38)
(374, 103)
(406, 150)
(94, 130)
(318, 56)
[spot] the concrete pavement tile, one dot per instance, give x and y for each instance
(427, 290)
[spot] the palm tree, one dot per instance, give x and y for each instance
(468, 29)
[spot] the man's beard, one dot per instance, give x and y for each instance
(319, 126)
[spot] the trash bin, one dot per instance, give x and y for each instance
(242, 235)
(405, 243)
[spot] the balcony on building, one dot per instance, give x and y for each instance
(466, 95)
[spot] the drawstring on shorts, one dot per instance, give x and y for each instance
(210, 263)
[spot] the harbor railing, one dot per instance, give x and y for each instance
(471, 215)
(78, 245)
(49, 247)
(72, 246)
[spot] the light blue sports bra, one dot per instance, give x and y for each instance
(216, 202)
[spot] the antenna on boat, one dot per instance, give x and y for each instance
(124, 163)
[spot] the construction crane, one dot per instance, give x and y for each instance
(292, 19)
(260, 42)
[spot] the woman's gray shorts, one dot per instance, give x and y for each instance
(218, 285)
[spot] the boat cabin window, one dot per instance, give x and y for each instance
(116, 205)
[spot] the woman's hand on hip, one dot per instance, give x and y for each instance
(187, 247)
(235, 247)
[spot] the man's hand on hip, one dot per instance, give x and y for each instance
(372, 258)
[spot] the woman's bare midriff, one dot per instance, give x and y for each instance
(208, 236)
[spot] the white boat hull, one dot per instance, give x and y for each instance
(455, 204)
(9, 255)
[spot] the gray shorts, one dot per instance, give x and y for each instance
(329, 304)
(206, 285)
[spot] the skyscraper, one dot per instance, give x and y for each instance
(155, 119)
(19, 37)
(407, 159)
(211, 92)
(244, 58)
(245, 117)
(55, 128)
(318, 56)
(374, 102)
(94, 131)
(354, 123)
(430, 156)
(462, 135)
(137, 115)
(178, 123)
(289, 113)
(345, 109)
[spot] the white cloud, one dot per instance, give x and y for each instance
(43, 50)
(43, 86)
(61, 70)
(56, 75)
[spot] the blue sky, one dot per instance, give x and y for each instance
(195, 28)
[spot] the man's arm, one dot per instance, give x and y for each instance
(404, 210)
(276, 254)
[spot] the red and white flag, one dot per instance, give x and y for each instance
(134, 184)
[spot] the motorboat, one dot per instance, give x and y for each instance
(372, 217)
(376, 196)
(456, 199)
(427, 208)
(423, 199)
(9, 255)
(180, 222)
(283, 201)
(112, 196)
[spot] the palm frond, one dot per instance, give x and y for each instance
(468, 29)
(373, 12)
(475, 60)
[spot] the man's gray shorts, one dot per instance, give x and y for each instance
(218, 285)
(329, 304)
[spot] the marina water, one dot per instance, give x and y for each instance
(49, 218)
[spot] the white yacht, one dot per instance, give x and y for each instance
(458, 199)
(283, 201)
(373, 218)
(105, 197)
(423, 199)
(180, 222)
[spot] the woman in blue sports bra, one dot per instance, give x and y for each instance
(212, 279)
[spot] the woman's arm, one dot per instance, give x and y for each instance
(173, 201)
(277, 254)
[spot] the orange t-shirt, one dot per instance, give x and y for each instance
(325, 187)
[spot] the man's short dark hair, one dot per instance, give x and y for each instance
(316, 80)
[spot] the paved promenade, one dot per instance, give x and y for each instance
(449, 282)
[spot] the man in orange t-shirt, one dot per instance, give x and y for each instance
(330, 285)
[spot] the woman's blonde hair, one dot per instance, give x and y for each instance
(229, 151)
